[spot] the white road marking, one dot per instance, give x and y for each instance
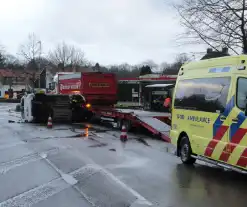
(36, 195)
(6, 146)
(17, 163)
(47, 190)
(123, 185)
(140, 199)
(43, 155)
(7, 166)
(69, 179)
(66, 177)
(42, 192)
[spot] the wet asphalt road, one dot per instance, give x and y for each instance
(86, 165)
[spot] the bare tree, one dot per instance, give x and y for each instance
(2, 49)
(151, 64)
(67, 56)
(32, 49)
(31, 52)
(217, 23)
(2, 57)
(182, 58)
(172, 69)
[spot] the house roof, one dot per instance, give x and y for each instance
(18, 73)
(7, 73)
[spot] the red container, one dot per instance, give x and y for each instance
(98, 88)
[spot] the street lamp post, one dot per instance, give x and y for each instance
(39, 42)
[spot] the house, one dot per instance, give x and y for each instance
(16, 80)
(215, 54)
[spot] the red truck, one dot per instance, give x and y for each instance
(97, 88)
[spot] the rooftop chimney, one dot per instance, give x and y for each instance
(209, 50)
(225, 50)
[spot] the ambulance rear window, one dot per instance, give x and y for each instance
(202, 94)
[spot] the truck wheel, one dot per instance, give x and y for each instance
(89, 116)
(127, 124)
(119, 123)
(186, 152)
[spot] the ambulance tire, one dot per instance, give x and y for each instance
(186, 152)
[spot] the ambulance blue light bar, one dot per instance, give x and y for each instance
(220, 70)
(242, 67)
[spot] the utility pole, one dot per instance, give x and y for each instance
(39, 69)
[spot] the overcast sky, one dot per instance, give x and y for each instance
(108, 31)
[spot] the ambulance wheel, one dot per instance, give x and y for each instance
(186, 152)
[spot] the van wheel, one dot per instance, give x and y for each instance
(186, 152)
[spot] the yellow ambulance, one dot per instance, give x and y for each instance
(209, 112)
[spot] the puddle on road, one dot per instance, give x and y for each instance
(90, 127)
(85, 135)
(34, 140)
(60, 137)
(62, 129)
(101, 131)
(91, 138)
(87, 131)
(11, 121)
(98, 145)
(15, 121)
(143, 141)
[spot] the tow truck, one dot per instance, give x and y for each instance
(158, 123)
(99, 95)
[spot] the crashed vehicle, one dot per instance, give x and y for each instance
(75, 95)
(62, 108)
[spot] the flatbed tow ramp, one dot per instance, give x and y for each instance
(157, 123)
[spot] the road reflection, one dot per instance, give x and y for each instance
(202, 185)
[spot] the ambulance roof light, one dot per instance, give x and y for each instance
(242, 67)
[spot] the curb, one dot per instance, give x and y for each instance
(2, 100)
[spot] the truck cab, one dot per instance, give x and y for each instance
(53, 86)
